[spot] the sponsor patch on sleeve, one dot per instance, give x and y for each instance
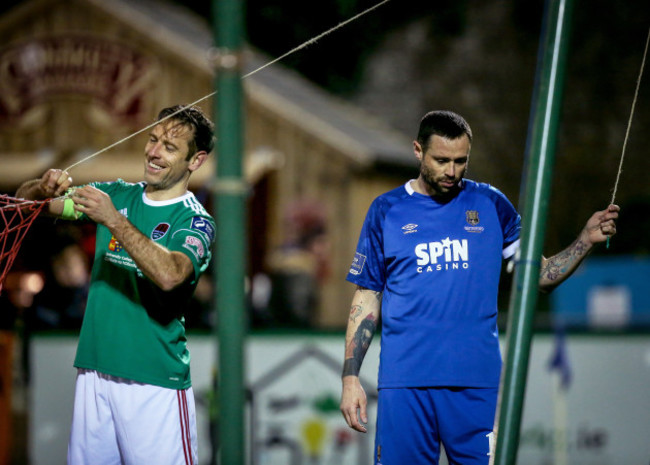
(194, 245)
(357, 263)
(201, 224)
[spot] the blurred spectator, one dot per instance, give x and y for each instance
(61, 303)
(297, 268)
(17, 297)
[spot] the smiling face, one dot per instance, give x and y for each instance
(443, 163)
(168, 163)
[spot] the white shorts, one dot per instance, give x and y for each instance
(118, 421)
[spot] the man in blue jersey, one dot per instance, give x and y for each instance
(133, 398)
(429, 259)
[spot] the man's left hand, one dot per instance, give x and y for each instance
(601, 225)
(96, 204)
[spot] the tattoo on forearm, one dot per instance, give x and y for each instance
(363, 336)
(355, 311)
(351, 367)
(359, 345)
(562, 262)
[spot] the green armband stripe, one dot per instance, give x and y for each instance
(69, 212)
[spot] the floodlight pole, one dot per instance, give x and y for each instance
(541, 144)
(230, 256)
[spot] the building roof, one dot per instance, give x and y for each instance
(366, 138)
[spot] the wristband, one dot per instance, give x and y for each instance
(69, 213)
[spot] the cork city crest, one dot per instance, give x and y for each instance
(159, 231)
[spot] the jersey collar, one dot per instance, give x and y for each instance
(411, 191)
(162, 203)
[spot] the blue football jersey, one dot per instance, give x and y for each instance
(438, 266)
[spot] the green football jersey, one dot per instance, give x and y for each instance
(132, 329)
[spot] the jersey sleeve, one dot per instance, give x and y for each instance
(194, 236)
(510, 221)
(368, 266)
(107, 187)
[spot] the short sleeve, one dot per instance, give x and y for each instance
(510, 221)
(368, 267)
(194, 236)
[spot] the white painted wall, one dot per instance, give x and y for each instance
(605, 413)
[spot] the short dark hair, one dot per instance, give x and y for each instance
(197, 120)
(442, 123)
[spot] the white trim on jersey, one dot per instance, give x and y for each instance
(510, 250)
(408, 187)
(162, 203)
(194, 204)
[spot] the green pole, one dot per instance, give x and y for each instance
(230, 192)
(542, 136)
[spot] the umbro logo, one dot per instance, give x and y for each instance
(409, 228)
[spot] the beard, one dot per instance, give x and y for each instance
(441, 185)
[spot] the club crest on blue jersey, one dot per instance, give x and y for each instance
(201, 224)
(159, 231)
(357, 263)
(471, 216)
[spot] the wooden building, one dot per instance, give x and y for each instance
(77, 76)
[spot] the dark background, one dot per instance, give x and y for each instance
(479, 58)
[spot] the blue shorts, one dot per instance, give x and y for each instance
(413, 422)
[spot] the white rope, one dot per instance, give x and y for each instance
(629, 123)
(205, 97)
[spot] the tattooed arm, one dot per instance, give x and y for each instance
(362, 324)
(556, 269)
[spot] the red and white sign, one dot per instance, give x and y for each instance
(115, 76)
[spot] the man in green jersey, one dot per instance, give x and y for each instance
(133, 399)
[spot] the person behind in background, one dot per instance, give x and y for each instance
(429, 260)
(62, 301)
(133, 397)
